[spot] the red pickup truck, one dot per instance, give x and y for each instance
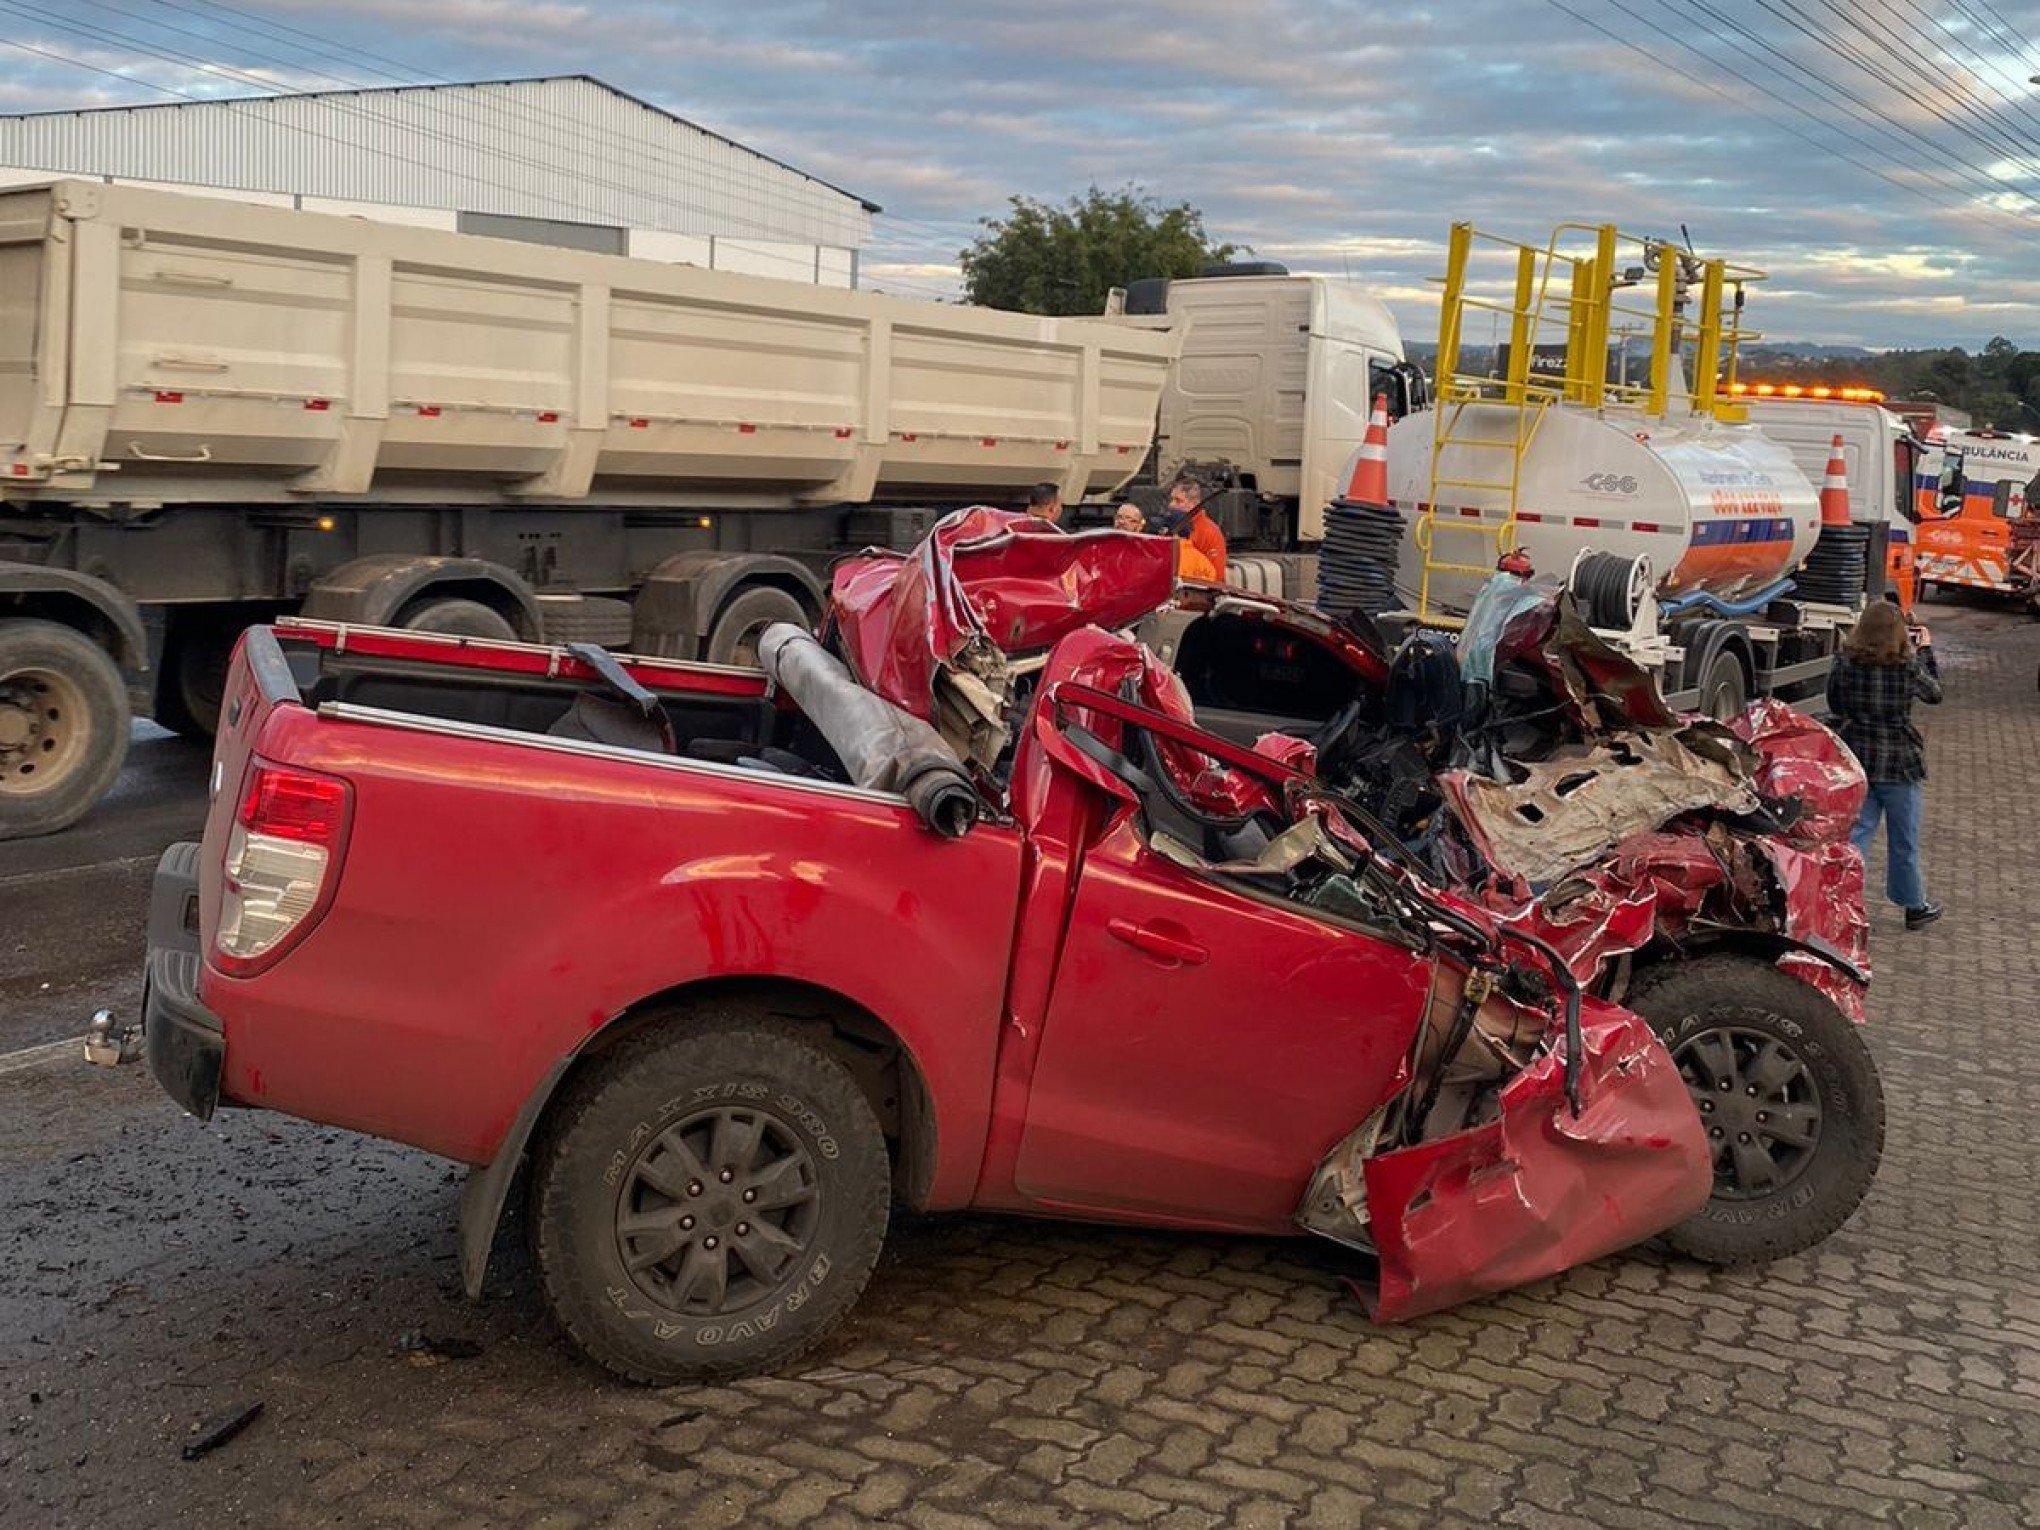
(733, 961)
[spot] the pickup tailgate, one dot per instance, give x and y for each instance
(258, 683)
(185, 1040)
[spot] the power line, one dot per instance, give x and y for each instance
(1924, 157)
(1997, 28)
(1982, 125)
(1730, 96)
(2015, 105)
(1812, 29)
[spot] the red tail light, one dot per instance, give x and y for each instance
(282, 863)
(294, 804)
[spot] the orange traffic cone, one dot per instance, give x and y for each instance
(1367, 473)
(1834, 489)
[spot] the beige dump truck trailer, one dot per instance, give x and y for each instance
(211, 413)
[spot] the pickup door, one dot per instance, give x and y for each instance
(1203, 1048)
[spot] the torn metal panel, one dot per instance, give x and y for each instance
(1803, 763)
(1599, 686)
(1537, 1189)
(1560, 813)
(1822, 891)
(935, 630)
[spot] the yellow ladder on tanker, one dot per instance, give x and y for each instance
(1524, 401)
(1522, 395)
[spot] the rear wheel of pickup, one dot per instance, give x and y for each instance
(708, 1201)
(63, 726)
(1787, 1093)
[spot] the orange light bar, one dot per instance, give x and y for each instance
(1798, 390)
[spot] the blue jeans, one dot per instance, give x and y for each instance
(1899, 804)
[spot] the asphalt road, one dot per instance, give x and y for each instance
(73, 905)
(156, 1274)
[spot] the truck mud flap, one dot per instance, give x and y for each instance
(1538, 1190)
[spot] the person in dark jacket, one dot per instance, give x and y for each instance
(1882, 669)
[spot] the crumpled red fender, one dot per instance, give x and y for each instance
(1823, 889)
(1538, 1190)
(1805, 760)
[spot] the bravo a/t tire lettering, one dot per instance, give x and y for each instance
(691, 1136)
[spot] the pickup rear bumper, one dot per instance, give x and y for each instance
(182, 1039)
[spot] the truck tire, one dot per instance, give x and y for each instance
(734, 639)
(1789, 1096)
(1724, 688)
(589, 619)
(63, 726)
(709, 1201)
(194, 680)
(456, 617)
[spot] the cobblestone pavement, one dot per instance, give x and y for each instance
(154, 1273)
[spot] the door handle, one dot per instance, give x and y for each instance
(1163, 939)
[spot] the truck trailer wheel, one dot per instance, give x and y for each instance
(63, 726)
(456, 617)
(1788, 1094)
(1724, 689)
(735, 638)
(193, 683)
(708, 1201)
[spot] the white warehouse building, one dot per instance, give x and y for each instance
(564, 160)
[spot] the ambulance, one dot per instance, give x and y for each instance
(1977, 530)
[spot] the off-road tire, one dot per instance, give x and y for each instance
(1684, 1001)
(71, 752)
(734, 639)
(617, 1122)
(456, 617)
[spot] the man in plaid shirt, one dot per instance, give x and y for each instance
(1881, 670)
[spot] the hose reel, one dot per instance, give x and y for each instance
(1610, 589)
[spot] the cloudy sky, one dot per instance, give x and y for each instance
(1881, 158)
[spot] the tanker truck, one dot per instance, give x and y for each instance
(213, 413)
(1690, 538)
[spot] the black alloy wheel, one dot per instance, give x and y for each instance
(714, 1211)
(1760, 1105)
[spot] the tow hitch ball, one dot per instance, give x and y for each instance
(108, 1043)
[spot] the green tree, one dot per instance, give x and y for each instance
(1054, 260)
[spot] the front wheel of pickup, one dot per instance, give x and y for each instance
(708, 1201)
(1787, 1093)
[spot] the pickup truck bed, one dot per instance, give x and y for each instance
(468, 938)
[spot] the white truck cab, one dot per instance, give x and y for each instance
(1274, 382)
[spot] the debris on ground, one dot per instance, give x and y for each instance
(217, 1430)
(425, 1350)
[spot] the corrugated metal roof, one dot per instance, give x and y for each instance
(565, 147)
